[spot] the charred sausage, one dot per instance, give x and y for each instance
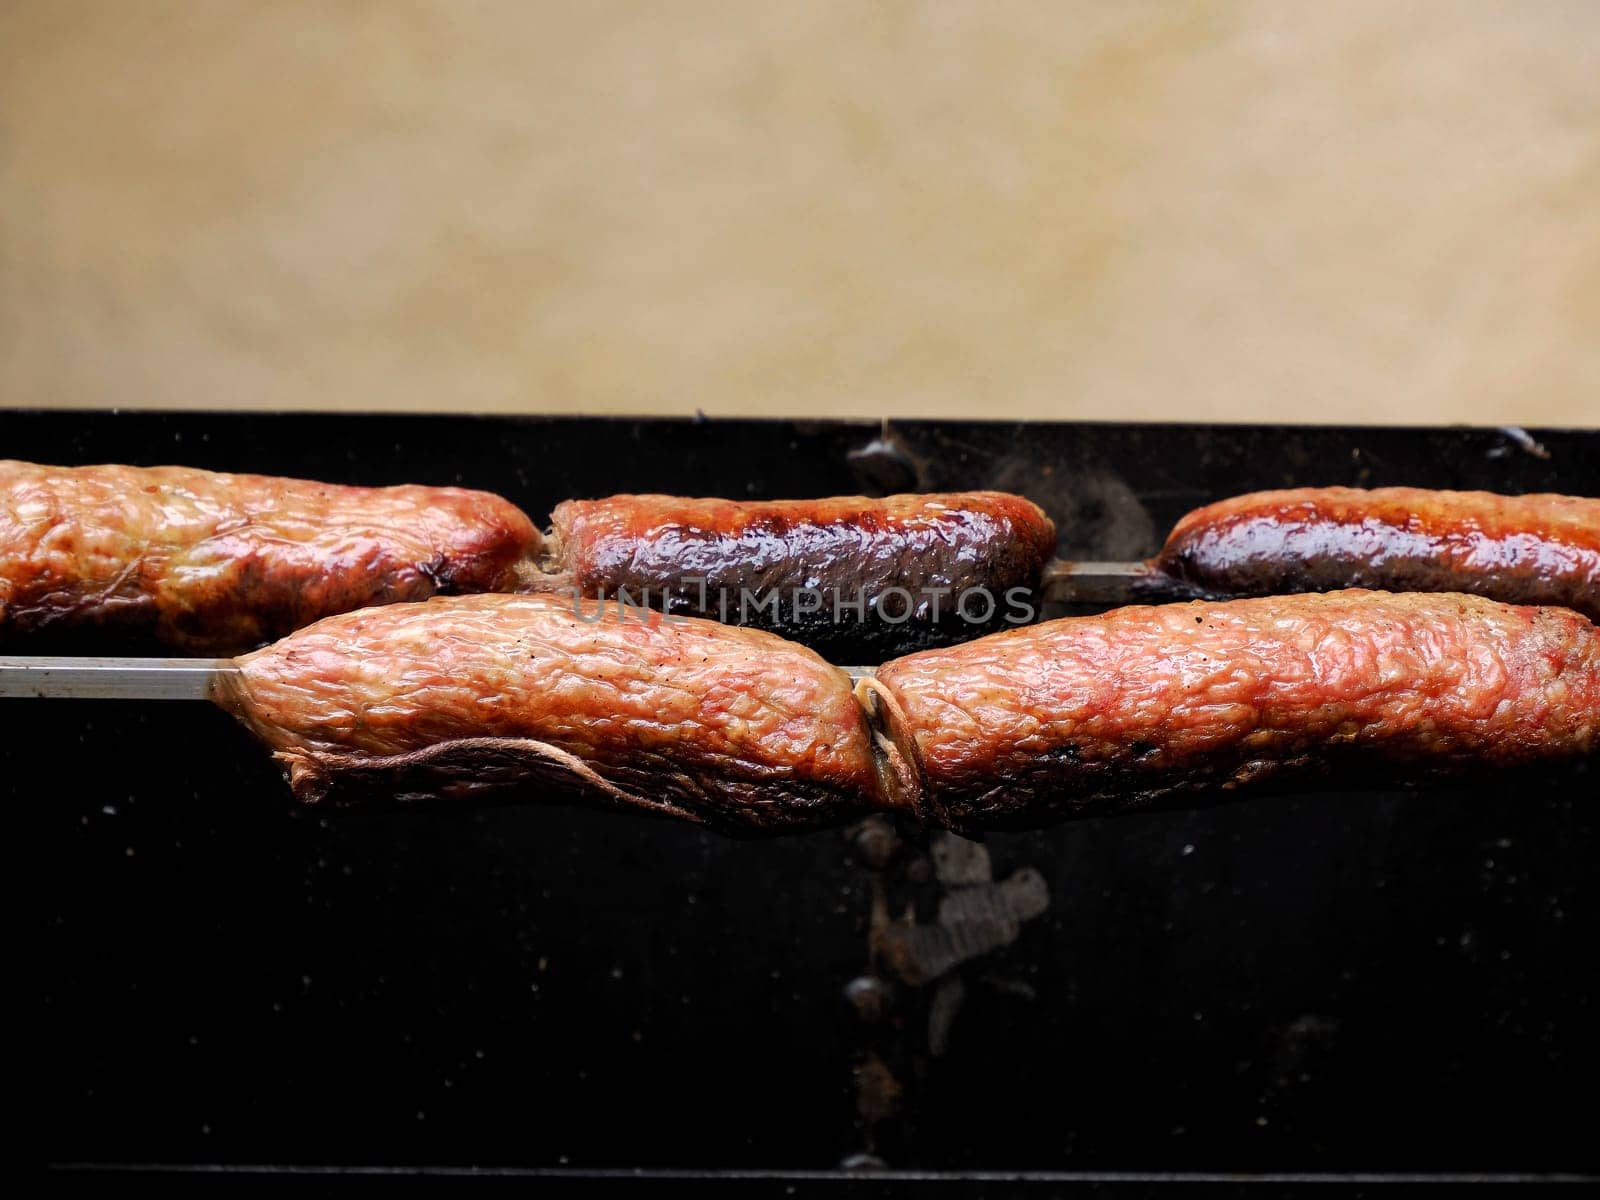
(1539, 549)
(209, 563)
(1144, 705)
(853, 577)
(473, 695)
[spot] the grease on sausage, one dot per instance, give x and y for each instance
(1535, 549)
(728, 559)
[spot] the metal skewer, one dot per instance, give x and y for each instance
(44, 677)
(1094, 582)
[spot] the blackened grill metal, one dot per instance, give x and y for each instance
(1360, 985)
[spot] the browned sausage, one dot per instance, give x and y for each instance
(1539, 549)
(738, 729)
(853, 577)
(730, 727)
(209, 563)
(1094, 715)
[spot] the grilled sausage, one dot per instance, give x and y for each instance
(853, 577)
(739, 730)
(1092, 715)
(209, 563)
(1539, 549)
(469, 696)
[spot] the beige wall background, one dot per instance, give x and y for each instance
(1362, 211)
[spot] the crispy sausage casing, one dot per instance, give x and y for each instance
(729, 559)
(730, 727)
(1094, 715)
(210, 563)
(1539, 549)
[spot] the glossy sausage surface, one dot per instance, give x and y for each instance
(1536, 549)
(888, 574)
(473, 695)
(1149, 705)
(209, 563)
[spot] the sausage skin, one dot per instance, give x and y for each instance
(705, 556)
(213, 564)
(467, 696)
(1537, 549)
(1145, 705)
